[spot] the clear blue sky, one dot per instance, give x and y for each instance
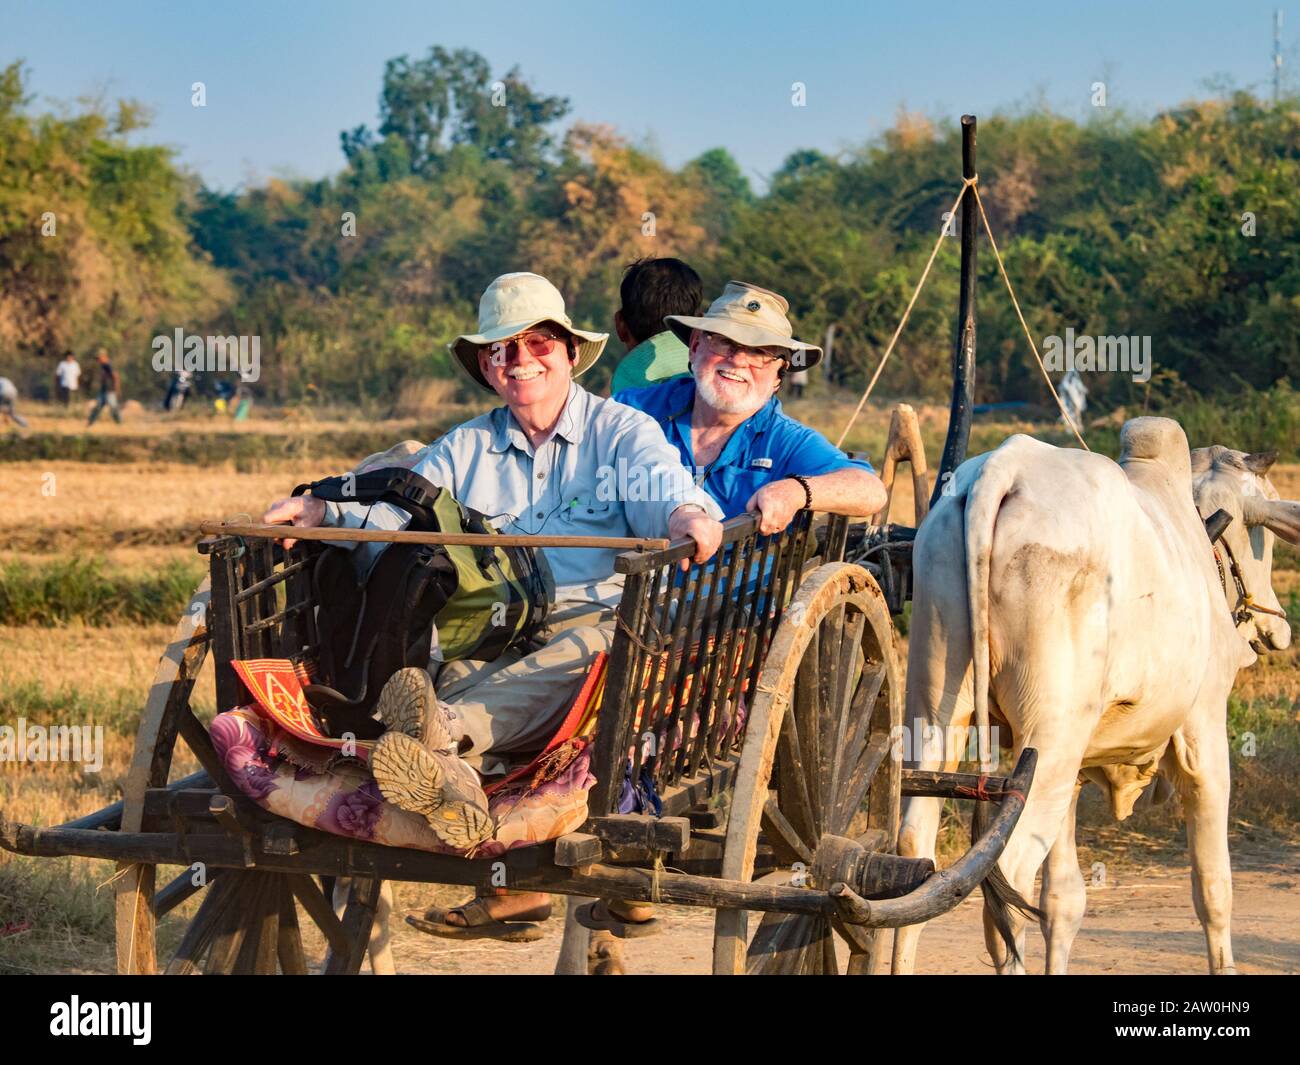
(284, 78)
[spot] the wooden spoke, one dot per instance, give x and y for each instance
(232, 929)
(817, 753)
(261, 923)
(358, 918)
(180, 889)
(795, 799)
(319, 910)
(781, 835)
(808, 703)
(780, 944)
(830, 964)
(855, 787)
(864, 699)
(289, 937)
(848, 678)
(203, 929)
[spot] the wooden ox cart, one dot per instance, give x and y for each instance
(780, 796)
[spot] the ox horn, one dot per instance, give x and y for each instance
(1280, 516)
(1260, 462)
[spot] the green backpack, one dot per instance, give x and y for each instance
(483, 599)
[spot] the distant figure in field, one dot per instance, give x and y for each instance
(798, 381)
(651, 290)
(8, 402)
(177, 388)
(68, 375)
(109, 386)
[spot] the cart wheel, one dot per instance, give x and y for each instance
(167, 704)
(248, 920)
(816, 763)
(248, 924)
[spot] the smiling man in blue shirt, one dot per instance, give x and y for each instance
(727, 423)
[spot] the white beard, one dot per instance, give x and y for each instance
(748, 403)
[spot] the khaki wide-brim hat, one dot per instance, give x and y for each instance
(752, 316)
(512, 304)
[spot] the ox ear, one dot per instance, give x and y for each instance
(1260, 462)
(1280, 516)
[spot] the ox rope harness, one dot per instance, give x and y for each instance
(1241, 613)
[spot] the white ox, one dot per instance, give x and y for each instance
(1078, 604)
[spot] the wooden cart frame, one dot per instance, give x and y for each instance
(758, 696)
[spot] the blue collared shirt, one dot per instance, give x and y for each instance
(767, 446)
(606, 471)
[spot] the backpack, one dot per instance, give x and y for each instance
(483, 599)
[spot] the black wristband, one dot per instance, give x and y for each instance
(807, 490)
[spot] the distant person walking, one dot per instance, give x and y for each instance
(68, 375)
(798, 381)
(9, 401)
(177, 388)
(109, 385)
(651, 289)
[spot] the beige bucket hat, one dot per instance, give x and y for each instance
(749, 315)
(512, 304)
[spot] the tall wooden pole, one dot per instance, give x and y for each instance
(963, 355)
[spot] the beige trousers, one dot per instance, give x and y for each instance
(513, 704)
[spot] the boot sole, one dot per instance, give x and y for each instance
(404, 706)
(438, 787)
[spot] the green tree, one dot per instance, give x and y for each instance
(448, 98)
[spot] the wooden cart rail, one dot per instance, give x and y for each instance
(687, 652)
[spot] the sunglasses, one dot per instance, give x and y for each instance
(538, 342)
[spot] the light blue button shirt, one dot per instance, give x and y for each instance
(607, 470)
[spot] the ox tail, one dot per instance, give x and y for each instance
(982, 506)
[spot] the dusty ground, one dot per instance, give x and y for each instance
(1141, 922)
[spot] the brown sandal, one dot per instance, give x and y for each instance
(480, 924)
(600, 918)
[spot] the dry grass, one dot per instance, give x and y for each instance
(264, 421)
(83, 665)
(91, 496)
(427, 399)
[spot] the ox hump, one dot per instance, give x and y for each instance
(1157, 441)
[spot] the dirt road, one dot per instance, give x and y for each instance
(1140, 922)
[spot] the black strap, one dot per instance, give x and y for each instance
(394, 484)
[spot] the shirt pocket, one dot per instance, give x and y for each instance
(586, 510)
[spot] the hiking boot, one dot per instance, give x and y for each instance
(407, 704)
(440, 787)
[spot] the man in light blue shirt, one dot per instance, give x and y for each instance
(543, 463)
(566, 486)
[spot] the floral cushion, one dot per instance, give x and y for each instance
(345, 800)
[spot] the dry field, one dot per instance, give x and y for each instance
(125, 530)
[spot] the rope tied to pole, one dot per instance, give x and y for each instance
(1033, 346)
(889, 349)
(973, 184)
